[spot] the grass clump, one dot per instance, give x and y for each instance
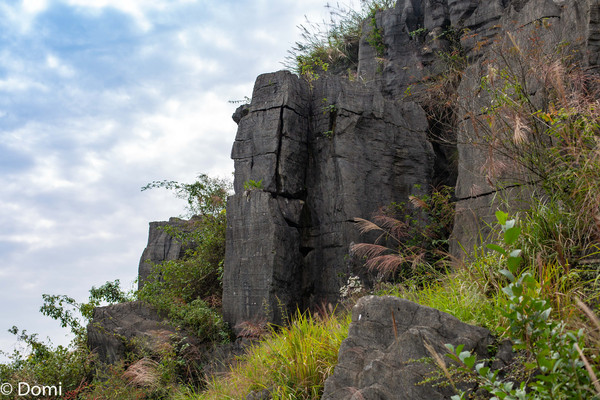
(333, 45)
(292, 362)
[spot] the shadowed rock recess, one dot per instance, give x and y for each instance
(331, 150)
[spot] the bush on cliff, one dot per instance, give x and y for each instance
(333, 45)
(189, 290)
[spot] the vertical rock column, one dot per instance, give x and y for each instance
(263, 261)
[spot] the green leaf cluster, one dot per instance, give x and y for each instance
(189, 289)
(559, 368)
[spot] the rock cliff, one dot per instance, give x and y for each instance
(312, 155)
(324, 155)
(332, 149)
(163, 245)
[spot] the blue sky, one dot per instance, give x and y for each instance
(98, 98)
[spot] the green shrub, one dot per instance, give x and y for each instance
(559, 367)
(251, 184)
(189, 290)
(39, 363)
(68, 311)
(333, 45)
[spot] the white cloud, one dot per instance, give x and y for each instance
(216, 37)
(137, 9)
(20, 84)
(34, 6)
(54, 63)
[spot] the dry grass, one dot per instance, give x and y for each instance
(143, 373)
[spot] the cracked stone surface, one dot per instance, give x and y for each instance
(378, 359)
(325, 155)
(332, 150)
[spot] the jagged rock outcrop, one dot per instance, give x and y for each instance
(135, 328)
(382, 357)
(163, 245)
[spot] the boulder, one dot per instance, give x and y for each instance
(383, 355)
(114, 329)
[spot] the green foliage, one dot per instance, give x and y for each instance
(560, 369)
(69, 312)
(417, 32)
(251, 184)
(205, 196)
(42, 364)
(331, 110)
(188, 289)
(375, 37)
(292, 362)
(454, 294)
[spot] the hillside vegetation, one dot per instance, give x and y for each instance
(533, 280)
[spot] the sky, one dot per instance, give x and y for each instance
(99, 98)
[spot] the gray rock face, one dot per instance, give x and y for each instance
(415, 32)
(387, 335)
(325, 155)
(552, 22)
(162, 246)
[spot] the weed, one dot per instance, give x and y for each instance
(292, 362)
(251, 184)
(333, 45)
(560, 369)
(412, 237)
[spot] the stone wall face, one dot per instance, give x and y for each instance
(324, 155)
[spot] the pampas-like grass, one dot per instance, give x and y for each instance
(143, 373)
